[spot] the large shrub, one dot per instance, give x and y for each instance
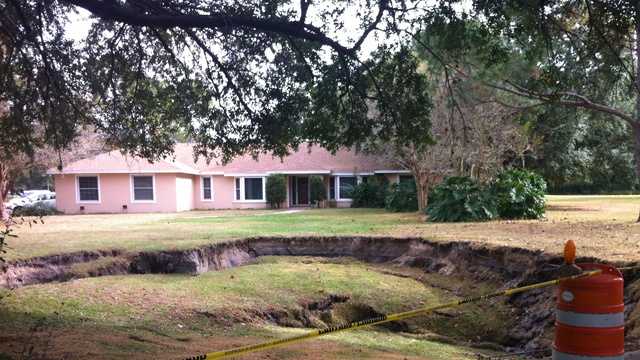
(402, 197)
(459, 198)
(38, 209)
(519, 194)
(276, 189)
(317, 189)
(370, 194)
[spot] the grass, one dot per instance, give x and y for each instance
(180, 311)
(169, 231)
(602, 226)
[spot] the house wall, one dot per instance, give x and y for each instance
(222, 193)
(115, 191)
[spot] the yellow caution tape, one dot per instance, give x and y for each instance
(386, 318)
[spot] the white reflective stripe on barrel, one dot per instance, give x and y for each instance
(557, 355)
(590, 320)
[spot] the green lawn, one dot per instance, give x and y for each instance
(603, 226)
(168, 231)
(184, 308)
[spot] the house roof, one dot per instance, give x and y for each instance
(306, 160)
(114, 162)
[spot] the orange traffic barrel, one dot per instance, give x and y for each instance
(590, 316)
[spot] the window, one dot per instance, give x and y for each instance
(406, 180)
(332, 188)
(88, 189)
(253, 189)
(143, 188)
(249, 189)
(207, 189)
(346, 185)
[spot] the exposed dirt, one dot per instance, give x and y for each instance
(60, 268)
(499, 265)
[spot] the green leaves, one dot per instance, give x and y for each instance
(402, 198)
(459, 198)
(515, 194)
(370, 194)
(233, 77)
(276, 190)
(519, 194)
(317, 189)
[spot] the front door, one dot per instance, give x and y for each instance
(184, 194)
(303, 190)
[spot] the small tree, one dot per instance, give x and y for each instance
(471, 138)
(317, 189)
(276, 190)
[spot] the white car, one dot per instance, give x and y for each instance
(44, 197)
(17, 201)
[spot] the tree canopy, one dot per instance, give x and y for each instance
(569, 65)
(252, 76)
(235, 77)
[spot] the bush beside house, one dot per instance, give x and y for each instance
(276, 190)
(371, 194)
(402, 198)
(317, 190)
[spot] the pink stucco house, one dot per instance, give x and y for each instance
(115, 183)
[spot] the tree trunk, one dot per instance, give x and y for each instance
(636, 124)
(4, 191)
(636, 148)
(422, 190)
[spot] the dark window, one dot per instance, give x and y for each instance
(253, 189)
(206, 188)
(365, 179)
(406, 180)
(237, 188)
(332, 188)
(347, 183)
(143, 188)
(88, 188)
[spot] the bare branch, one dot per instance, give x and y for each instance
(382, 6)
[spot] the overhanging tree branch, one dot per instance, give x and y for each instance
(561, 99)
(114, 11)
